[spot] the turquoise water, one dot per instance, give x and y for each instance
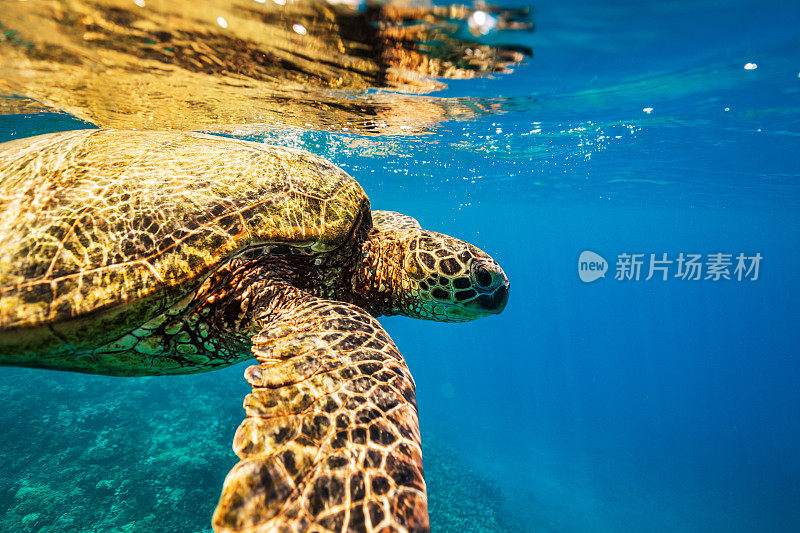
(610, 406)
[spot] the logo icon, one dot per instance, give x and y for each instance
(591, 266)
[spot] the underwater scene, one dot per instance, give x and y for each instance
(633, 167)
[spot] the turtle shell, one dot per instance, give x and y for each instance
(93, 220)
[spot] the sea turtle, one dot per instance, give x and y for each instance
(145, 253)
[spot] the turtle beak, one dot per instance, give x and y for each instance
(490, 278)
(495, 302)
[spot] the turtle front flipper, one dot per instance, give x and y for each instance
(331, 439)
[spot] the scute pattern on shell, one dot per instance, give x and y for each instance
(91, 219)
(393, 220)
(331, 440)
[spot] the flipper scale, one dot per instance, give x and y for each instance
(331, 439)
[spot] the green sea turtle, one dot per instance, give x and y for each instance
(144, 253)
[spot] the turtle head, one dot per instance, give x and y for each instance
(429, 275)
(448, 280)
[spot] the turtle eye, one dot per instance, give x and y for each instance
(482, 277)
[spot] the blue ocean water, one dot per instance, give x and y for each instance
(611, 406)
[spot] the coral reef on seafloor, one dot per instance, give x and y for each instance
(96, 454)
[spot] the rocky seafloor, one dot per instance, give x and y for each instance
(97, 454)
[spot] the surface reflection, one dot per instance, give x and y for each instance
(216, 64)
